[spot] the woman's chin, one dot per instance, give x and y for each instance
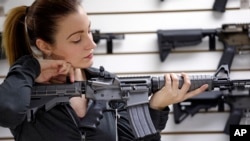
(87, 64)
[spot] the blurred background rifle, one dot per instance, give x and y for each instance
(237, 100)
(235, 39)
(220, 5)
(109, 37)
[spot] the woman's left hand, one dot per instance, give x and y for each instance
(171, 93)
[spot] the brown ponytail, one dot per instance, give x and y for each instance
(15, 42)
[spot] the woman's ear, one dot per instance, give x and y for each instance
(44, 47)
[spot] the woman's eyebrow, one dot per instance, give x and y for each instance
(81, 31)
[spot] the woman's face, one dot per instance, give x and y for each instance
(74, 41)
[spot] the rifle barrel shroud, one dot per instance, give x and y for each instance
(134, 91)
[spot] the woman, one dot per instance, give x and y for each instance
(60, 31)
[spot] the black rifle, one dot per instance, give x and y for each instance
(109, 37)
(235, 38)
(134, 91)
(104, 88)
(234, 93)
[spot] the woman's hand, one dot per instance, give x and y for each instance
(56, 71)
(171, 93)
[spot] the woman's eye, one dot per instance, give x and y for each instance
(77, 40)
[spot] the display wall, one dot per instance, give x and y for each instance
(138, 53)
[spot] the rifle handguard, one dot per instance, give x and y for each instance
(197, 81)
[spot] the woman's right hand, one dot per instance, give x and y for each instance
(56, 70)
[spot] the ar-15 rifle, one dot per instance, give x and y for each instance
(235, 38)
(225, 93)
(134, 91)
(109, 37)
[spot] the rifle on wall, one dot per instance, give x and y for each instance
(235, 38)
(219, 5)
(109, 37)
(225, 93)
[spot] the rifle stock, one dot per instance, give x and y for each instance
(170, 39)
(191, 107)
(109, 37)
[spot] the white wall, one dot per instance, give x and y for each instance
(138, 52)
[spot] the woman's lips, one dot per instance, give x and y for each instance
(89, 56)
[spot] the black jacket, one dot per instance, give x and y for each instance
(60, 123)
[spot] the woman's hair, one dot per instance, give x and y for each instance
(23, 25)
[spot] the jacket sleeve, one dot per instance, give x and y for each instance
(16, 89)
(159, 118)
